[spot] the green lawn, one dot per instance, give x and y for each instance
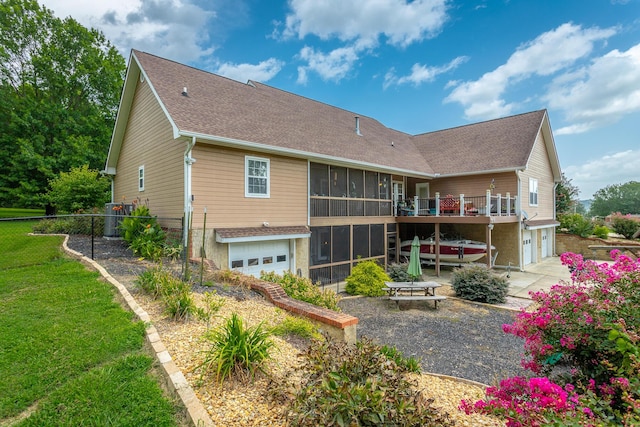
(67, 348)
(20, 213)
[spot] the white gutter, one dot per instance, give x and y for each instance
(188, 161)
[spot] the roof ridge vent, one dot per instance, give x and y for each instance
(358, 126)
(184, 91)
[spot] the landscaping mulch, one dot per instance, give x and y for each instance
(458, 339)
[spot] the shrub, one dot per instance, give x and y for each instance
(367, 278)
(80, 188)
(303, 289)
(71, 225)
(576, 224)
(584, 335)
(398, 272)
(601, 231)
(347, 385)
(478, 283)
(236, 349)
(625, 224)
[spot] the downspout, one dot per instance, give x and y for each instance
(555, 213)
(520, 251)
(188, 199)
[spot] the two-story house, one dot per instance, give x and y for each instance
(289, 183)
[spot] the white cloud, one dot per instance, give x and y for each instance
(617, 168)
(262, 72)
(400, 21)
(173, 29)
(600, 94)
(545, 55)
(359, 25)
(332, 66)
(421, 73)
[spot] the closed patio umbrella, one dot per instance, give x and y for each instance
(414, 270)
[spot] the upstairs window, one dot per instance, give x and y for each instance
(141, 178)
(533, 192)
(256, 177)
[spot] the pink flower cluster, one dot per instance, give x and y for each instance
(589, 327)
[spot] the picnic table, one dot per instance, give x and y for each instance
(425, 291)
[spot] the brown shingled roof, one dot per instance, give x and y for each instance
(218, 108)
(499, 144)
(257, 113)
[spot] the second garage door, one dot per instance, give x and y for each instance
(253, 257)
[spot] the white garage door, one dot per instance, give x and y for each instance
(526, 247)
(254, 257)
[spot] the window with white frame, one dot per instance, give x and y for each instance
(533, 192)
(141, 178)
(256, 177)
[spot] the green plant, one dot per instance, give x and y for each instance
(178, 300)
(212, 304)
(303, 289)
(601, 231)
(143, 234)
(358, 385)
(398, 272)
(367, 278)
(236, 349)
(478, 283)
(576, 224)
(409, 363)
(174, 292)
(292, 325)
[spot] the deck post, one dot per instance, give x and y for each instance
(508, 196)
(461, 204)
(437, 203)
(437, 248)
(489, 229)
(416, 206)
(499, 204)
(488, 204)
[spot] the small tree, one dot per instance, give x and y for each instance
(367, 278)
(80, 188)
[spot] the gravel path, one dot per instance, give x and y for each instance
(459, 338)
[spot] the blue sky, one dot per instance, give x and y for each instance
(418, 66)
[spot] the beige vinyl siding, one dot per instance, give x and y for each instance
(218, 180)
(149, 142)
(474, 186)
(539, 168)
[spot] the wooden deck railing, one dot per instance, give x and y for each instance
(460, 205)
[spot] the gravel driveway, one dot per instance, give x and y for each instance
(458, 338)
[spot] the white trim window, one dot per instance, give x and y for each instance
(257, 172)
(533, 192)
(141, 178)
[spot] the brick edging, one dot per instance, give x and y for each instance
(195, 411)
(274, 293)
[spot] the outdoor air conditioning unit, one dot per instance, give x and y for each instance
(114, 213)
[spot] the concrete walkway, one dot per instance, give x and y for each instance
(536, 277)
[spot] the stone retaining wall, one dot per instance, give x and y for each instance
(580, 245)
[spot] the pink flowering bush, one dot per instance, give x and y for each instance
(583, 338)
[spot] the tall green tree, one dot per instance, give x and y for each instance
(623, 198)
(60, 85)
(566, 196)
